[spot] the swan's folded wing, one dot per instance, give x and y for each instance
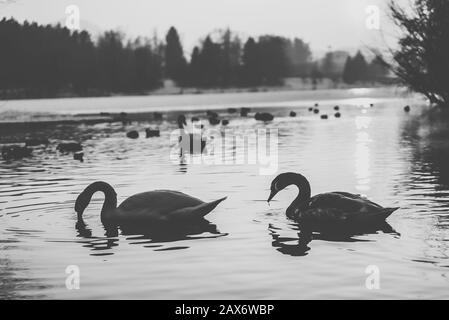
(345, 203)
(159, 201)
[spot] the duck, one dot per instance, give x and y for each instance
(264, 116)
(333, 208)
(211, 114)
(152, 132)
(316, 111)
(132, 134)
(159, 206)
(336, 108)
(407, 108)
(191, 142)
(244, 112)
(69, 146)
(15, 152)
(324, 117)
(310, 109)
(337, 115)
(214, 121)
(33, 142)
(292, 114)
(78, 156)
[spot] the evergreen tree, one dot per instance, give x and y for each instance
(175, 62)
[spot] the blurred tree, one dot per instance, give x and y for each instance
(175, 62)
(251, 64)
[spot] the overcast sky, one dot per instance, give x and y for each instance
(339, 24)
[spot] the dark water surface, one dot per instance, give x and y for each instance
(247, 249)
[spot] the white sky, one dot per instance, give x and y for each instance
(339, 24)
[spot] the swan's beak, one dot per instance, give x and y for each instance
(272, 194)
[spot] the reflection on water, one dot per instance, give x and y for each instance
(149, 236)
(245, 248)
(299, 246)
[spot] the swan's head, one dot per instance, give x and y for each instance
(277, 185)
(281, 182)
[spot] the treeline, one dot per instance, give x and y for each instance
(45, 61)
(48, 61)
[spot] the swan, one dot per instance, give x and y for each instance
(192, 142)
(157, 206)
(335, 208)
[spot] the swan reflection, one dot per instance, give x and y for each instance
(299, 246)
(149, 236)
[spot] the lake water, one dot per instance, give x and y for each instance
(249, 250)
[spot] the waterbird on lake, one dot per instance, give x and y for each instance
(159, 206)
(337, 115)
(263, 116)
(244, 111)
(33, 142)
(214, 121)
(190, 142)
(371, 105)
(333, 208)
(407, 108)
(292, 114)
(69, 146)
(132, 134)
(336, 108)
(316, 111)
(150, 133)
(316, 105)
(310, 109)
(211, 114)
(224, 122)
(324, 116)
(14, 152)
(78, 156)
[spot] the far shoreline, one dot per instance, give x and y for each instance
(91, 110)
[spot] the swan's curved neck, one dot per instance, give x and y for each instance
(304, 188)
(110, 197)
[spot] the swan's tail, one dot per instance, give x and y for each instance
(378, 216)
(386, 212)
(196, 212)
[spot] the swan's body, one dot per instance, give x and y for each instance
(153, 206)
(333, 208)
